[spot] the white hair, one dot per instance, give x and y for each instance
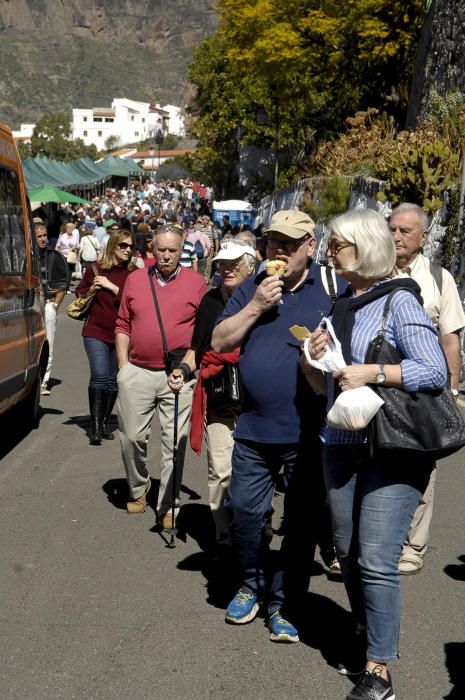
(408, 206)
(369, 232)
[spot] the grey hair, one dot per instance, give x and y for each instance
(249, 259)
(369, 232)
(408, 206)
(251, 238)
(168, 228)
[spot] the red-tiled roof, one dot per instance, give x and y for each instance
(163, 154)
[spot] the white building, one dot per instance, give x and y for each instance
(127, 120)
(176, 123)
(24, 133)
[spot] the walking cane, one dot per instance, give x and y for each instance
(173, 530)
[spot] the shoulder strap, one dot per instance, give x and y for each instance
(157, 309)
(328, 278)
(436, 271)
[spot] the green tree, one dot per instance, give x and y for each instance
(308, 63)
(112, 142)
(24, 149)
(52, 138)
(170, 142)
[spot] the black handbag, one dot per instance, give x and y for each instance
(424, 423)
(173, 358)
(224, 388)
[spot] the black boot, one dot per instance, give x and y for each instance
(110, 398)
(96, 405)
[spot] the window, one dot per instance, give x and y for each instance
(109, 119)
(12, 239)
(136, 133)
(84, 119)
(98, 119)
(132, 117)
(85, 132)
(99, 133)
(143, 120)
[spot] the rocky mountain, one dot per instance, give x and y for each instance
(59, 54)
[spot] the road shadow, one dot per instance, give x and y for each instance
(82, 422)
(456, 571)
(118, 494)
(455, 662)
(14, 430)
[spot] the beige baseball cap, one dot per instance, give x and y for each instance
(292, 223)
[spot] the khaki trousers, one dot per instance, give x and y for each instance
(218, 433)
(141, 392)
(418, 534)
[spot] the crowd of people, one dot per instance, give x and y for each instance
(188, 321)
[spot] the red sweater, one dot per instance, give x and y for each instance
(137, 318)
(101, 320)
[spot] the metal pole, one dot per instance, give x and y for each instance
(276, 144)
(462, 197)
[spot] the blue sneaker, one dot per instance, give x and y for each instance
(280, 629)
(243, 607)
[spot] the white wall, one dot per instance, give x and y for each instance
(130, 120)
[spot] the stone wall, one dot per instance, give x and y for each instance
(441, 56)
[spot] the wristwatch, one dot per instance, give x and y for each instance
(455, 392)
(380, 376)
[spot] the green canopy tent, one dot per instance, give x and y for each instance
(54, 194)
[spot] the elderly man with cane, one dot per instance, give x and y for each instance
(153, 332)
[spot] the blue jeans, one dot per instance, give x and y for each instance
(255, 467)
(103, 364)
(372, 502)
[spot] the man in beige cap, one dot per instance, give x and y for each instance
(278, 425)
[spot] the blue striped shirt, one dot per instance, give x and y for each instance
(409, 328)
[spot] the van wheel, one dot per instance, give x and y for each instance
(29, 409)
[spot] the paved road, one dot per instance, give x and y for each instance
(95, 606)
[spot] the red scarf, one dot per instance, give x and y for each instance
(212, 363)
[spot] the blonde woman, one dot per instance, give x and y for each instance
(99, 329)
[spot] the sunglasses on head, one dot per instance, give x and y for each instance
(126, 246)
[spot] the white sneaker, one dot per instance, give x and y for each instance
(44, 391)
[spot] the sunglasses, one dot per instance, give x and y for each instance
(289, 246)
(126, 246)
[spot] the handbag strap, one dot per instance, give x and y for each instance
(157, 309)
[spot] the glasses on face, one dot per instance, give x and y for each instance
(335, 247)
(126, 246)
(232, 265)
(288, 245)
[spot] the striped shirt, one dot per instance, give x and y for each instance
(188, 255)
(409, 328)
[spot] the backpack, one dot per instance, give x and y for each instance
(198, 249)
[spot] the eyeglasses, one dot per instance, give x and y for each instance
(233, 265)
(126, 246)
(289, 246)
(334, 247)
